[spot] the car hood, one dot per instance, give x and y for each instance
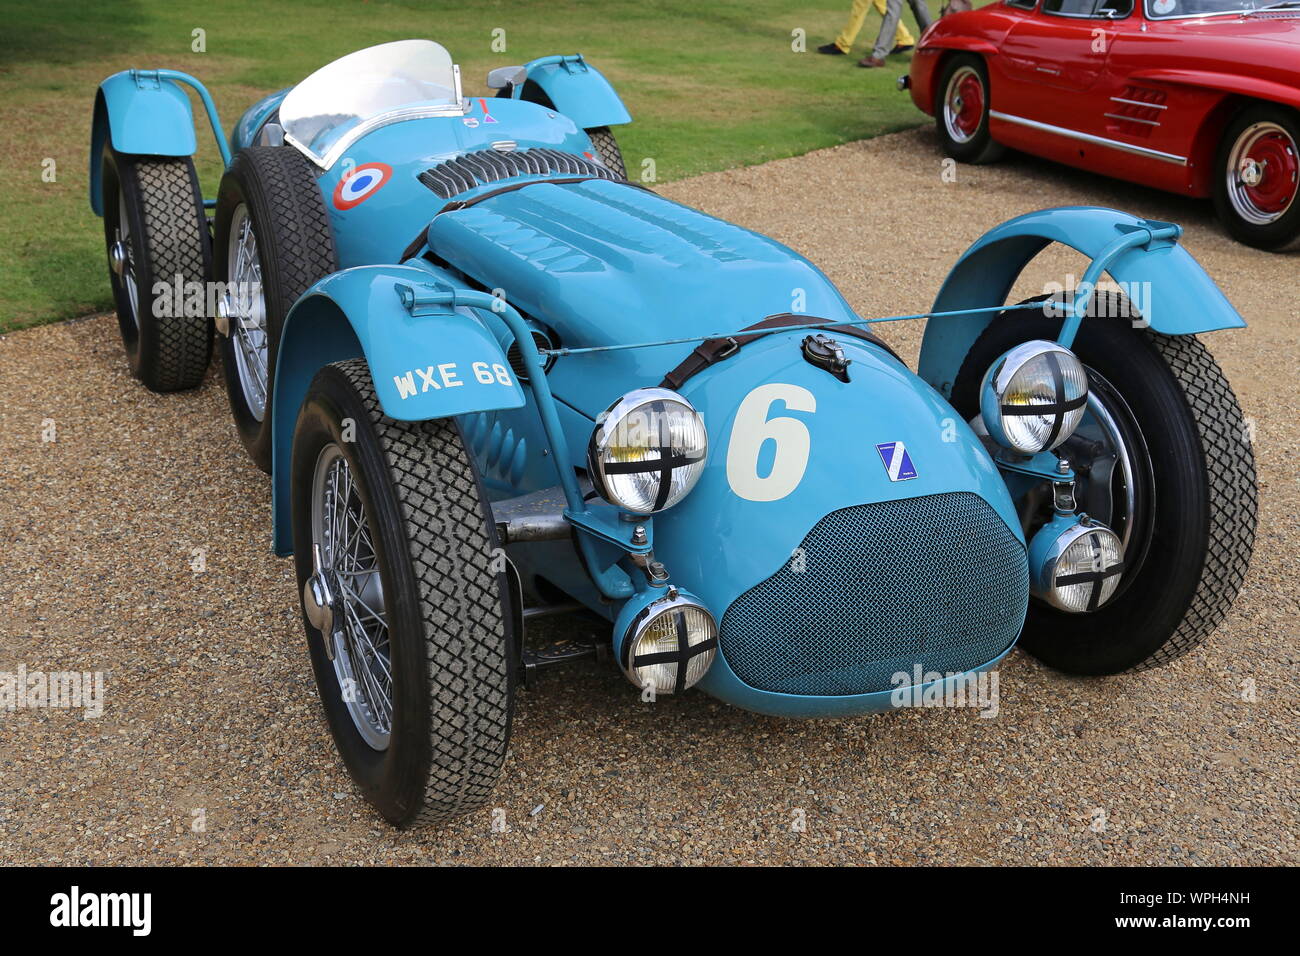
(610, 264)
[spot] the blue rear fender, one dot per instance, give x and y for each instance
(426, 363)
(1169, 287)
(578, 90)
(140, 114)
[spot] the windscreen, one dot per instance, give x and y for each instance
(328, 109)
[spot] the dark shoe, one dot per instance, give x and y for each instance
(830, 48)
(870, 61)
(902, 49)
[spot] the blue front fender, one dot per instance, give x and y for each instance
(578, 90)
(425, 362)
(138, 113)
(1178, 298)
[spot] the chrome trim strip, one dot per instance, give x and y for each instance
(1089, 138)
(1131, 119)
(1152, 106)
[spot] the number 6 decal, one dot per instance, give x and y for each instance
(753, 429)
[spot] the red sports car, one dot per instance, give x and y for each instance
(1199, 97)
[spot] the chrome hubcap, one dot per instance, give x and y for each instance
(344, 598)
(117, 257)
(963, 105)
(241, 313)
(1263, 174)
(1114, 468)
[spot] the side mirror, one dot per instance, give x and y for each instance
(504, 76)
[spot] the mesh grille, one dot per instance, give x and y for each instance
(939, 580)
(484, 166)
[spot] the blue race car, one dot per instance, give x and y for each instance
(492, 378)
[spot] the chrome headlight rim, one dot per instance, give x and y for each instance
(1066, 411)
(1105, 582)
(675, 602)
(606, 427)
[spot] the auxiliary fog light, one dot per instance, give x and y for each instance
(1034, 397)
(669, 644)
(1076, 564)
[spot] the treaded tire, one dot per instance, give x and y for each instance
(450, 613)
(980, 148)
(1284, 233)
(607, 149)
(168, 239)
(295, 247)
(1205, 498)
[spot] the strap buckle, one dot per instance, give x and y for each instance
(729, 348)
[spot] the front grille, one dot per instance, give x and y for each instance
(876, 589)
(484, 166)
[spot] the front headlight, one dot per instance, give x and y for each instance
(1034, 397)
(670, 644)
(647, 450)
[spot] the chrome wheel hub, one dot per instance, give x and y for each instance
(117, 257)
(1251, 172)
(121, 261)
(320, 598)
(343, 598)
(1263, 173)
(963, 105)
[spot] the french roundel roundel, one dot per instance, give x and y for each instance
(361, 184)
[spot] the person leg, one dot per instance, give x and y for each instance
(888, 28)
(854, 25)
(922, 14)
(903, 36)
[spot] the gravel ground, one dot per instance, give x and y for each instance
(212, 747)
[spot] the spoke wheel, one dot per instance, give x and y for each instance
(362, 655)
(245, 308)
(273, 242)
(159, 260)
(407, 608)
(122, 261)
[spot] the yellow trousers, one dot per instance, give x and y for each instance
(859, 13)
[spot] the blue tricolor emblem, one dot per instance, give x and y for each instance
(898, 463)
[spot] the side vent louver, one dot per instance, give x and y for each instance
(484, 166)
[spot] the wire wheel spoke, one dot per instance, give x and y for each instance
(362, 662)
(246, 307)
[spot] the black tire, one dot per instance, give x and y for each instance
(450, 612)
(607, 149)
(168, 340)
(1201, 520)
(295, 248)
(1284, 231)
(980, 146)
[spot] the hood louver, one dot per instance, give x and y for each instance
(455, 176)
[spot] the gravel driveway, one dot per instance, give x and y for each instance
(137, 544)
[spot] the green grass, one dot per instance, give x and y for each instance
(711, 84)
